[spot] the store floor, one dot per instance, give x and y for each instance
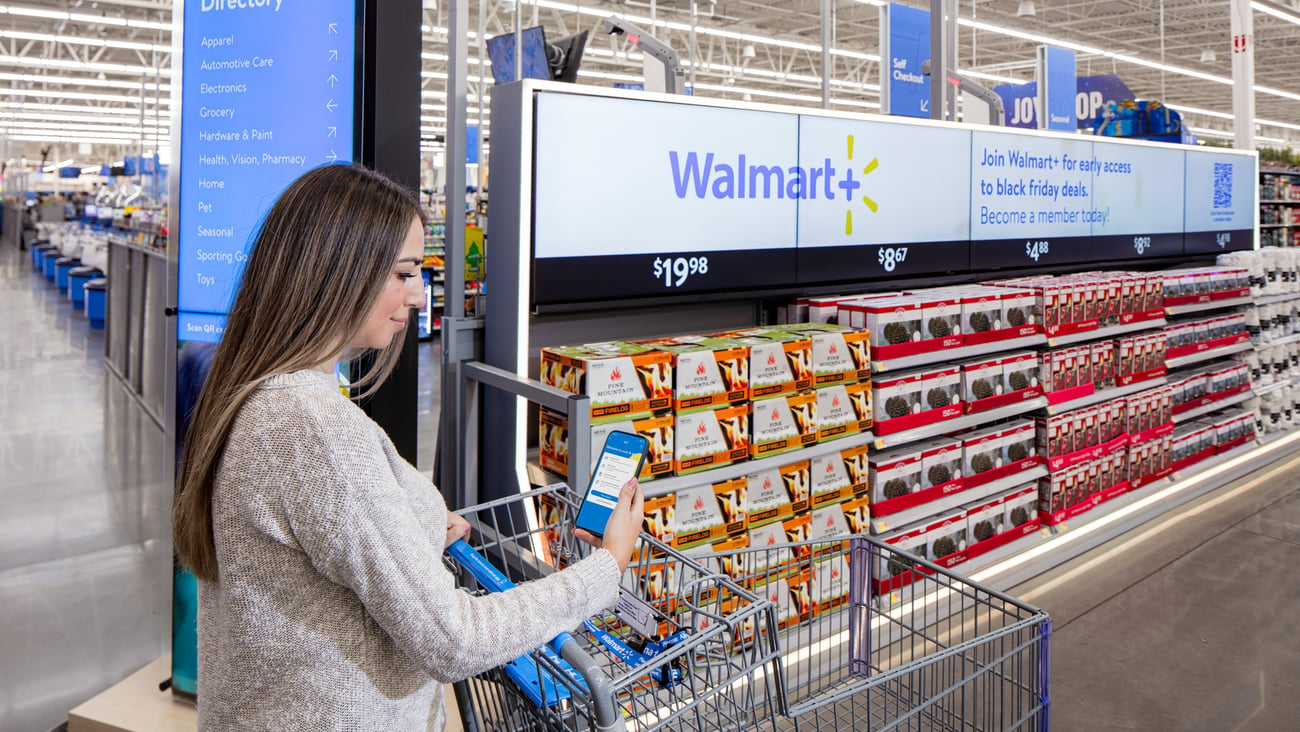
(84, 577)
(1188, 623)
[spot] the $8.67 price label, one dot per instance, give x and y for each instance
(675, 271)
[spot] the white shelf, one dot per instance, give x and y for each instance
(957, 354)
(1200, 307)
(958, 423)
(661, 486)
(881, 524)
(1107, 332)
(1213, 353)
(1213, 407)
(1278, 226)
(1274, 299)
(1281, 341)
(1275, 386)
(1105, 395)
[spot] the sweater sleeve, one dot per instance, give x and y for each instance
(371, 542)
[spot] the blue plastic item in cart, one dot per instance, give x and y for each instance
(535, 681)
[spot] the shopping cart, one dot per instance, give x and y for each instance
(688, 649)
(873, 638)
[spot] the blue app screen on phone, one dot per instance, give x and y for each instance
(620, 461)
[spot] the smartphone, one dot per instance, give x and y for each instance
(620, 461)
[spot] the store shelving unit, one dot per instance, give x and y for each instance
(1210, 355)
(1201, 307)
(1052, 547)
(1279, 195)
(1104, 395)
(947, 426)
(1213, 406)
(1104, 333)
(882, 524)
(1275, 386)
(953, 355)
(1274, 299)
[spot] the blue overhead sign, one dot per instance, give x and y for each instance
(1056, 91)
(1091, 95)
(905, 46)
(268, 93)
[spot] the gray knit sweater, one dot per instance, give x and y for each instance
(333, 609)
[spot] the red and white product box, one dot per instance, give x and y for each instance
(793, 312)
(981, 312)
(1020, 507)
(850, 310)
(822, 309)
(894, 570)
(898, 395)
(1083, 365)
(945, 538)
(897, 325)
(941, 316)
(943, 389)
(1126, 352)
(941, 464)
(896, 473)
(1130, 293)
(985, 520)
(1114, 300)
(982, 380)
(1056, 491)
(1021, 308)
(1080, 294)
(1020, 371)
(1103, 364)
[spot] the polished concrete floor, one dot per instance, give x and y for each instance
(1188, 623)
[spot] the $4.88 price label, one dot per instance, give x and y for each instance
(674, 271)
(1036, 249)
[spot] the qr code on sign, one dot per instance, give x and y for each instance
(1223, 185)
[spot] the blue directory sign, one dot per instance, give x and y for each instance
(906, 45)
(1058, 83)
(268, 91)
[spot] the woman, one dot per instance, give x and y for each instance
(323, 601)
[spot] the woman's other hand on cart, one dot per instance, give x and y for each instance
(623, 527)
(457, 528)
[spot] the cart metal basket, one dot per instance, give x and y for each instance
(873, 638)
(718, 671)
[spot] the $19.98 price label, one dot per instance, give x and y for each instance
(675, 271)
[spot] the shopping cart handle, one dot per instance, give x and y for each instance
(492, 578)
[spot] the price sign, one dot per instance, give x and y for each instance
(1036, 249)
(674, 271)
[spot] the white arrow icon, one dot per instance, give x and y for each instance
(333, 132)
(334, 54)
(330, 105)
(331, 157)
(925, 105)
(333, 80)
(334, 29)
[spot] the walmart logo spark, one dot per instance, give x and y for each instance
(707, 175)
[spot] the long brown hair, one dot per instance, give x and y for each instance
(320, 260)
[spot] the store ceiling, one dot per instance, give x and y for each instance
(99, 70)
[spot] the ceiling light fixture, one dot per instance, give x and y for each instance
(1208, 57)
(1026, 9)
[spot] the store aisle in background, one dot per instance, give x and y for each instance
(85, 588)
(1187, 623)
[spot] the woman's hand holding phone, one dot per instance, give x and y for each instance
(623, 527)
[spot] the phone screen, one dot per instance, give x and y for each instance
(620, 461)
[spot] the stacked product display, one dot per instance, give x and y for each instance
(1003, 408)
(1279, 210)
